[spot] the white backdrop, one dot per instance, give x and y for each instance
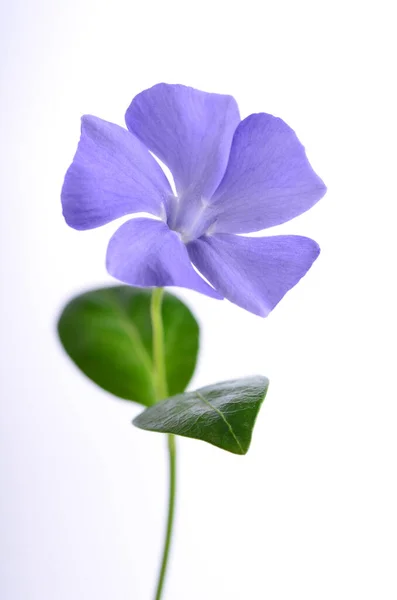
(310, 511)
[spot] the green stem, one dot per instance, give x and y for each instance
(170, 518)
(161, 393)
(158, 344)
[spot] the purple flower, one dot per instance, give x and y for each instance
(231, 177)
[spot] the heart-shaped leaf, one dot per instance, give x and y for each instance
(223, 414)
(108, 334)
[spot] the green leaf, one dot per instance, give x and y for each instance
(223, 414)
(108, 334)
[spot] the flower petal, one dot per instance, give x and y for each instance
(146, 253)
(268, 179)
(254, 273)
(189, 130)
(112, 175)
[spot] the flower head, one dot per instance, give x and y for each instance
(231, 177)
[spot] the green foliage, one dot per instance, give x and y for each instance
(108, 334)
(223, 414)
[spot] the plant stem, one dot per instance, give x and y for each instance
(170, 519)
(161, 393)
(158, 344)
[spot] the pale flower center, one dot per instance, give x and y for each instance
(190, 217)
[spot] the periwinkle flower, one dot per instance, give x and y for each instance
(231, 177)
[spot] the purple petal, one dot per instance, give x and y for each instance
(189, 130)
(112, 175)
(146, 253)
(268, 179)
(254, 273)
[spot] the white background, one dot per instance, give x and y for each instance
(310, 511)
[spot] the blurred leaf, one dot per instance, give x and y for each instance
(223, 414)
(108, 334)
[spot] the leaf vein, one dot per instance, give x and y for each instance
(220, 413)
(134, 335)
